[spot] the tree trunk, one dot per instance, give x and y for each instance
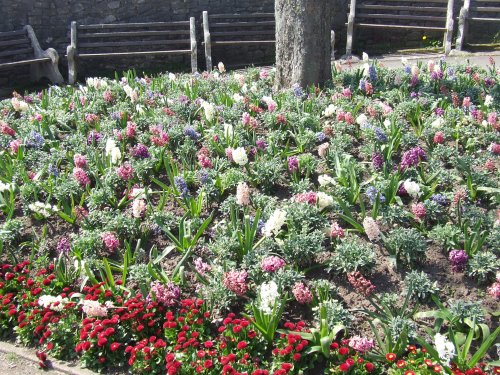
(303, 42)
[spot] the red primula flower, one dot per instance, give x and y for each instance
(391, 357)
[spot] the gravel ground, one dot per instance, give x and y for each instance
(12, 364)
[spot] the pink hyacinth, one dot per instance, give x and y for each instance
(125, 172)
(439, 138)
(272, 263)
(492, 118)
(205, 162)
(361, 344)
(494, 290)
(271, 106)
(346, 92)
(245, 118)
(349, 118)
(6, 129)
(309, 197)
(167, 295)
(336, 231)
(130, 131)
(235, 281)
(201, 267)
(110, 241)
(229, 154)
(418, 209)
(243, 194)
(80, 161)
(81, 176)
(14, 145)
(340, 115)
(302, 293)
(494, 148)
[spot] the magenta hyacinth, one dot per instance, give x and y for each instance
(458, 259)
(302, 293)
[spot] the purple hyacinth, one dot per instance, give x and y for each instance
(458, 259)
(261, 144)
(140, 151)
(293, 164)
(297, 90)
(377, 161)
(93, 137)
(439, 111)
(412, 157)
(63, 246)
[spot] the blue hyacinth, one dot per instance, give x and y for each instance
(380, 135)
(181, 185)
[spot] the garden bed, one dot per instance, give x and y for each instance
(206, 224)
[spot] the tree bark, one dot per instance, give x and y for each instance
(303, 42)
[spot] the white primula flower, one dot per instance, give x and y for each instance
(324, 200)
(275, 222)
(240, 156)
(412, 188)
(172, 76)
(365, 57)
(324, 180)
(269, 296)
(445, 348)
(330, 111)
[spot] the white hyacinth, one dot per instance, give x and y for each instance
(269, 295)
(445, 348)
(240, 156)
(113, 151)
(43, 209)
(209, 111)
(330, 111)
(412, 188)
(275, 222)
(324, 200)
(325, 180)
(361, 119)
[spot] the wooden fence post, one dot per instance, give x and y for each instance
(71, 53)
(194, 47)
(207, 40)
(462, 25)
(449, 28)
(350, 28)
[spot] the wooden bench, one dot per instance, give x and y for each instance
(21, 47)
(427, 15)
(481, 11)
(237, 30)
(131, 39)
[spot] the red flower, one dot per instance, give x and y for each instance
(401, 363)
(369, 367)
(114, 346)
(241, 345)
(344, 367)
(208, 363)
(409, 372)
(296, 357)
(390, 357)
(344, 351)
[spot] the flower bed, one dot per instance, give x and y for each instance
(206, 224)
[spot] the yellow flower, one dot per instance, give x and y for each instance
(424, 37)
